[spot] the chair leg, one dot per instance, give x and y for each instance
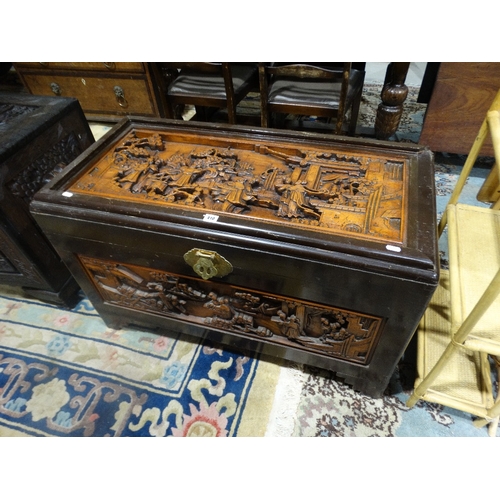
(495, 410)
(353, 122)
(492, 421)
(170, 111)
(421, 389)
(339, 124)
(278, 120)
(492, 428)
(231, 114)
(264, 121)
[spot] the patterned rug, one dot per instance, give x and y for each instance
(64, 373)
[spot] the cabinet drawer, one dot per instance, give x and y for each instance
(115, 96)
(134, 67)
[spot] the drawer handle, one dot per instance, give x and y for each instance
(208, 264)
(55, 88)
(110, 65)
(120, 96)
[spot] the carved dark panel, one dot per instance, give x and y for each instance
(331, 331)
(6, 266)
(10, 111)
(323, 189)
(44, 168)
(16, 263)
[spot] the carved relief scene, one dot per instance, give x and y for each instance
(330, 331)
(9, 111)
(322, 188)
(42, 170)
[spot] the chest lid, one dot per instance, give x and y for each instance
(331, 193)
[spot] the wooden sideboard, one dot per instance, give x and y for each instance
(461, 96)
(106, 91)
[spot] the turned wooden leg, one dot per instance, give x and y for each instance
(393, 96)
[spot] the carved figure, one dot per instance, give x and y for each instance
(289, 325)
(138, 146)
(293, 202)
(170, 301)
(220, 305)
(238, 195)
(187, 175)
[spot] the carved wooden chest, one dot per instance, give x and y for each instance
(39, 136)
(318, 250)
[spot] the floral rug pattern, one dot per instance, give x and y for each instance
(64, 373)
(329, 408)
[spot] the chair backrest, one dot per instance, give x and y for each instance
(210, 68)
(302, 70)
(205, 67)
(306, 72)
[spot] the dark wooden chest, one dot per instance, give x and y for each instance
(318, 250)
(39, 136)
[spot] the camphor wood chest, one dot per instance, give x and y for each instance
(39, 136)
(318, 250)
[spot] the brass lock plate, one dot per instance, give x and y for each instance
(208, 264)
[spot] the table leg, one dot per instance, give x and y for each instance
(393, 96)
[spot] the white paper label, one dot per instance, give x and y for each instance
(211, 218)
(393, 248)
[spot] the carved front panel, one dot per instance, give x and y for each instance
(327, 330)
(357, 194)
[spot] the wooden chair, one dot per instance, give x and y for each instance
(209, 86)
(309, 90)
(459, 336)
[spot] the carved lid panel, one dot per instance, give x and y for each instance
(322, 187)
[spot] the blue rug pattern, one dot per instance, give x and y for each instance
(63, 373)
